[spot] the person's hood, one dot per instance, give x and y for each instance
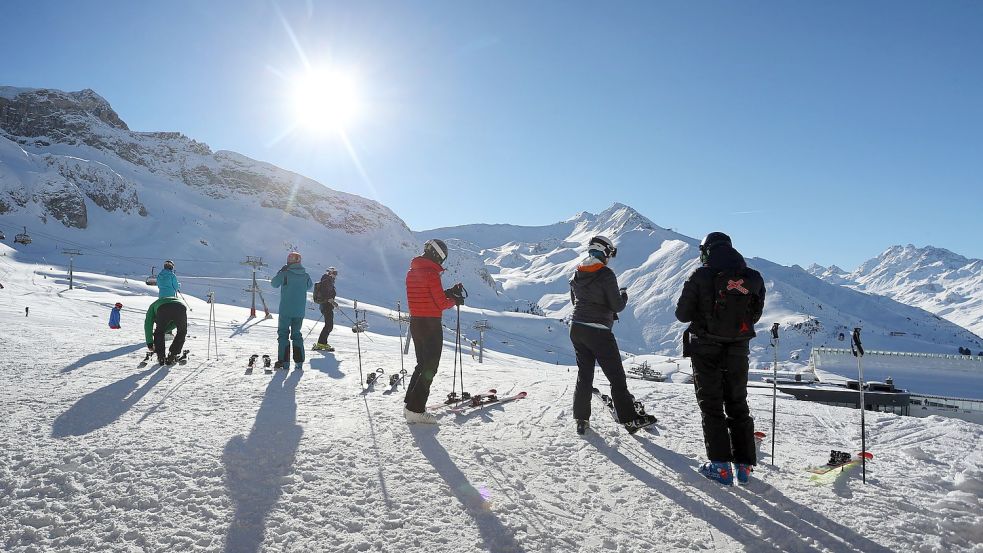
(588, 269)
(723, 257)
(296, 268)
(426, 264)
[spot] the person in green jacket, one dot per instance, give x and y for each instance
(294, 282)
(165, 315)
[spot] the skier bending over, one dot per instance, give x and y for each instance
(327, 305)
(427, 301)
(114, 316)
(167, 283)
(163, 316)
(294, 282)
(722, 300)
(596, 301)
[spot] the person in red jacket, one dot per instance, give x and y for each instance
(427, 300)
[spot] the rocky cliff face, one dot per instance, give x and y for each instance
(46, 123)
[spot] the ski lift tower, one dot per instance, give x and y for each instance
(71, 266)
(256, 263)
(481, 326)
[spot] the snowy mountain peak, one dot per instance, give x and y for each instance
(29, 111)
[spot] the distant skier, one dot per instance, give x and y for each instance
(164, 315)
(427, 301)
(27, 311)
(597, 300)
(295, 282)
(114, 316)
(722, 300)
(167, 283)
(327, 303)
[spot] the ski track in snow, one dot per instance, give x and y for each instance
(98, 454)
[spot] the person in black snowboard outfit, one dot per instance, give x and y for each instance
(722, 300)
(596, 301)
(327, 304)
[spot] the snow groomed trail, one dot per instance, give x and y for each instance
(99, 454)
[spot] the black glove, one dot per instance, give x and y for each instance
(459, 300)
(284, 268)
(624, 293)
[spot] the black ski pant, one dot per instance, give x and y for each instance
(598, 345)
(428, 341)
(169, 315)
(327, 309)
(720, 376)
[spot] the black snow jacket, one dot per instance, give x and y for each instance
(326, 286)
(696, 302)
(595, 294)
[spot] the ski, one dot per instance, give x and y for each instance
(374, 376)
(481, 402)
(839, 461)
(251, 363)
(183, 360)
(453, 399)
(267, 365)
(395, 378)
(631, 427)
(146, 359)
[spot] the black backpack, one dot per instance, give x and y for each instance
(731, 318)
(317, 293)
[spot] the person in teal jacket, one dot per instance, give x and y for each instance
(294, 282)
(167, 284)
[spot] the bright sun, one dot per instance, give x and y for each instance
(325, 101)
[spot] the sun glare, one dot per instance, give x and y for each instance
(325, 101)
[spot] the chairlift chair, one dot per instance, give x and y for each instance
(152, 279)
(2, 236)
(23, 238)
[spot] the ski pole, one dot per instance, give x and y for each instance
(399, 317)
(774, 389)
(185, 301)
(354, 323)
(858, 351)
(315, 326)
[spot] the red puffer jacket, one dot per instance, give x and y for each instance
(423, 289)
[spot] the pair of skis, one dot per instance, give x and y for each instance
(463, 405)
(394, 379)
(171, 360)
(267, 364)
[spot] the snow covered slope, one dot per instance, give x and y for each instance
(76, 175)
(536, 263)
(934, 279)
(99, 454)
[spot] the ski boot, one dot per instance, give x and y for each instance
(640, 422)
(281, 365)
(413, 417)
(837, 458)
(718, 472)
(582, 426)
(743, 472)
(299, 366)
(171, 360)
(161, 360)
(322, 347)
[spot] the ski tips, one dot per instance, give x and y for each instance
(867, 455)
(759, 435)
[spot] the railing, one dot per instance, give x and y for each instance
(948, 403)
(841, 351)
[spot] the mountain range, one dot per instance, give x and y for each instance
(76, 176)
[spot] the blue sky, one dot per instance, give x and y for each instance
(811, 132)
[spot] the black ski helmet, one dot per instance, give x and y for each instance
(603, 245)
(711, 240)
(436, 250)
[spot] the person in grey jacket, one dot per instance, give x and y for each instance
(597, 300)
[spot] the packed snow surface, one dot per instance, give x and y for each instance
(99, 454)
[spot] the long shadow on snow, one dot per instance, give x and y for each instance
(495, 536)
(255, 465)
(786, 523)
(102, 356)
(244, 326)
(327, 364)
(105, 405)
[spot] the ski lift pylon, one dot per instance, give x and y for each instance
(152, 279)
(2, 235)
(23, 238)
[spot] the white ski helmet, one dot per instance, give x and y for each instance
(603, 245)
